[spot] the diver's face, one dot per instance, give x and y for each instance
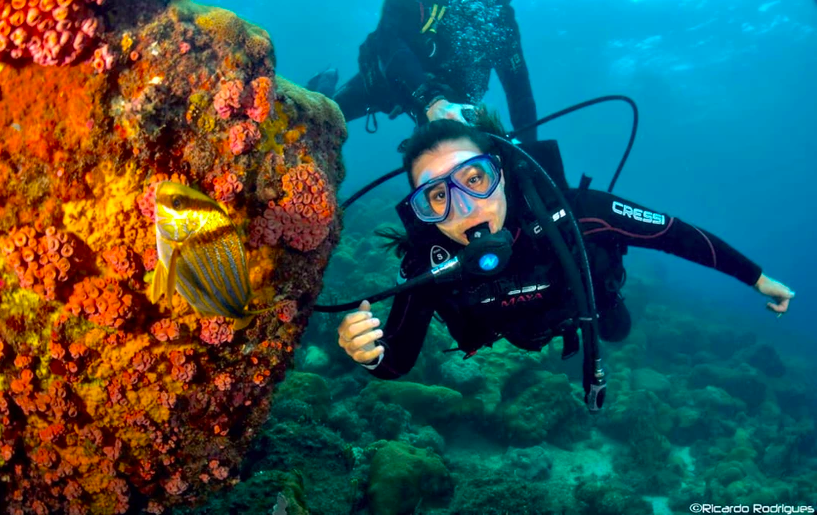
(465, 211)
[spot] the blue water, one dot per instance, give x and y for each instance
(727, 136)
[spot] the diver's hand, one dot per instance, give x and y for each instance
(357, 334)
(780, 293)
(443, 109)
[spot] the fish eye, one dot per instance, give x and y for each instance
(176, 202)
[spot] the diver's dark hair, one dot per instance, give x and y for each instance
(396, 240)
(430, 135)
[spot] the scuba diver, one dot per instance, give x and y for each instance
(433, 60)
(470, 188)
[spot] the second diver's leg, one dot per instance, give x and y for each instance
(324, 82)
(352, 98)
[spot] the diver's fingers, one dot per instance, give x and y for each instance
(785, 305)
(350, 320)
(781, 307)
(359, 342)
(456, 115)
(367, 356)
(357, 317)
(361, 327)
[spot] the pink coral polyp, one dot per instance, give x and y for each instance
(228, 98)
(243, 137)
(50, 32)
(303, 217)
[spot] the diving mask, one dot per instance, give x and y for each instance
(478, 177)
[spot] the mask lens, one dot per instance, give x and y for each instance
(430, 201)
(478, 178)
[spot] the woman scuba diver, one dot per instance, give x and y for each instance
(467, 186)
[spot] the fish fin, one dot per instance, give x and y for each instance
(159, 281)
(260, 311)
(171, 278)
(257, 296)
(241, 323)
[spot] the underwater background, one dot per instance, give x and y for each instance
(119, 397)
(727, 131)
(711, 398)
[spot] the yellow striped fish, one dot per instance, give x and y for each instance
(200, 255)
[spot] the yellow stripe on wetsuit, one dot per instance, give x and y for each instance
(433, 19)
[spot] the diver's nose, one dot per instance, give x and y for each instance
(463, 204)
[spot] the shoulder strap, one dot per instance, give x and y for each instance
(547, 154)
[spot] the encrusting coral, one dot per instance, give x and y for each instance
(108, 403)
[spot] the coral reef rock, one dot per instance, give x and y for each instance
(110, 403)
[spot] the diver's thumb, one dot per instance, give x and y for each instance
(364, 306)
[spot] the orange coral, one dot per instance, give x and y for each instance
(54, 130)
(183, 370)
(226, 186)
(122, 261)
(223, 381)
(216, 330)
(103, 60)
(219, 472)
(48, 32)
(165, 330)
(106, 401)
(175, 485)
(228, 99)
(41, 260)
(262, 94)
(307, 193)
(102, 301)
(286, 310)
(243, 136)
(302, 217)
(150, 258)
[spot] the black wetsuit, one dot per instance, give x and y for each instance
(421, 51)
(530, 302)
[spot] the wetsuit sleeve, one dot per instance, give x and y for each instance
(610, 219)
(405, 331)
(513, 74)
(399, 25)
